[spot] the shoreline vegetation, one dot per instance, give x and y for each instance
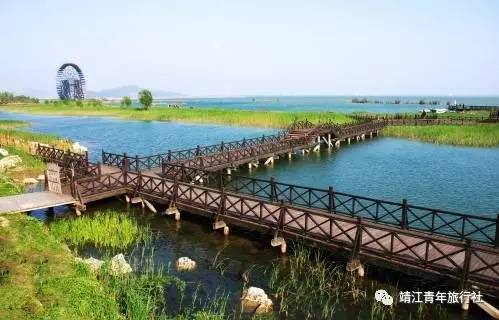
(480, 135)
(16, 142)
(469, 135)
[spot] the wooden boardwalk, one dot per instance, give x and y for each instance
(461, 248)
(463, 262)
(34, 201)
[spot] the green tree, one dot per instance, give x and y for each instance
(145, 98)
(126, 102)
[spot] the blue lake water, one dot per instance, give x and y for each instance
(324, 103)
(460, 179)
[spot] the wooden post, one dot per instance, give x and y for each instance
(86, 158)
(272, 189)
(332, 206)
(404, 223)
(99, 169)
(466, 264)
(102, 156)
(169, 155)
(139, 187)
(198, 150)
(137, 164)
(222, 146)
(263, 138)
(497, 231)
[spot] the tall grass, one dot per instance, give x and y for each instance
(472, 135)
(235, 117)
(8, 186)
(141, 295)
(110, 229)
(39, 279)
(308, 286)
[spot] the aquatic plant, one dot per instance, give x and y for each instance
(141, 295)
(234, 117)
(111, 229)
(471, 135)
(308, 285)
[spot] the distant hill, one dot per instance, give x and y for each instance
(131, 91)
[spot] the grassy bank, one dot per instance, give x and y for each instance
(16, 142)
(268, 119)
(472, 135)
(40, 280)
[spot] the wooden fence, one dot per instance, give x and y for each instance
(467, 262)
(400, 214)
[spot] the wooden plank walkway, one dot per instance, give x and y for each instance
(462, 248)
(471, 262)
(33, 201)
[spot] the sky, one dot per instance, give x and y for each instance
(232, 48)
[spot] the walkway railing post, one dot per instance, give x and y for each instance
(497, 231)
(124, 159)
(222, 146)
(99, 169)
(466, 263)
(137, 164)
(272, 189)
(332, 205)
(404, 222)
(169, 155)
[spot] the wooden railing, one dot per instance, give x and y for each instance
(233, 157)
(61, 157)
(400, 214)
(465, 261)
(148, 162)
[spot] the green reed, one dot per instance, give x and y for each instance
(484, 135)
(111, 229)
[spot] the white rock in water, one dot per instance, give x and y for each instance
(93, 264)
(78, 148)
(119, 265)
(4, 222)
(255, 300)
(185, 264)
(30, 181)
(9, 162)
(3, 152)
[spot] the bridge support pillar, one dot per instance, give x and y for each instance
(465, 305)
(289, 155)
(348, 139)
(269, 161)
(356, 265)
(363, 136)
(229, 170)
(357, 138)
(329, 145)
(279, 241)
(172, 210)
(317, 148)
(221, 225)
(371, 134)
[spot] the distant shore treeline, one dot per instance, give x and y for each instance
(398, 101)
(7, 97)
